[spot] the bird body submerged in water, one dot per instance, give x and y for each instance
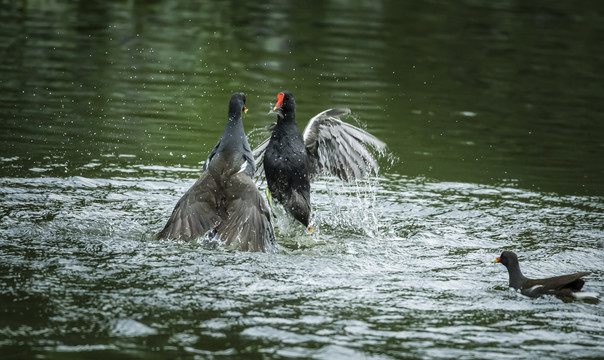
(224, 202)
(561, 286)
(292, 159)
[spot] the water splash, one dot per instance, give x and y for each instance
(347, 207)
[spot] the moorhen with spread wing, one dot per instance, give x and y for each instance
(224, 202)
(328, 145)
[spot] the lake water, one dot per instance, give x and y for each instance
(492, 112)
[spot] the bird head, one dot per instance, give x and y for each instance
(285, 104)
(507, 258)
(237, 103)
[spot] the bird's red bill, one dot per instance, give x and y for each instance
(279, 100)
(244, 109)
(497, 260)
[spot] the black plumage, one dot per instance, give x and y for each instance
(328, 145)
(224, 202)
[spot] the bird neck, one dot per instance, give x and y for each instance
(233, 141)
(233, 128)
(516, 276)
(289, 117)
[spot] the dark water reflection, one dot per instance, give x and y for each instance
(492, 114)
(475, 92)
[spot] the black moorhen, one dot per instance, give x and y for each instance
(224, 202)
(561, 286)
(291, 159)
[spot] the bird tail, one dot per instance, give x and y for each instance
(586, 296)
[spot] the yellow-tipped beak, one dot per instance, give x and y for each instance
(497, 260)
(275, 108)
(244, 110)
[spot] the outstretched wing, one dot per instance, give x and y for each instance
(195, 213)
(248, 221)
(339, 148)
(258, 153)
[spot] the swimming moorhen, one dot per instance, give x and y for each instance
(224, 203)
(328, 145)
(561, 286)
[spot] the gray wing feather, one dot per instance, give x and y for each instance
(194, 214)
(339, 148)
(258, 153)
(244, 224)
(247, 225)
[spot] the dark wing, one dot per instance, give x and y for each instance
(212, 154)
(560, 285)
(339, 148)
(195, 213)
(249, 164)
(258, 153)
(248, 222)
